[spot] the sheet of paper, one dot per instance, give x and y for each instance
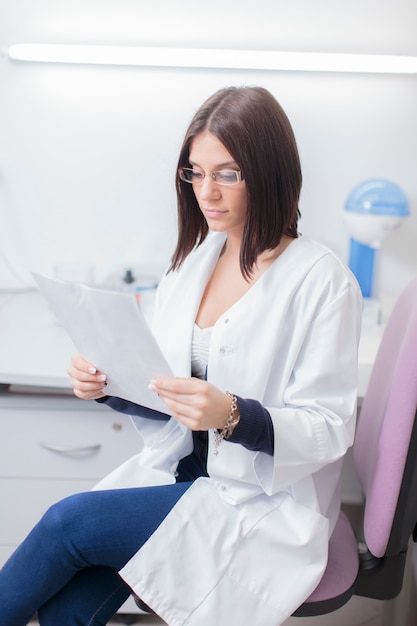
(109, 330)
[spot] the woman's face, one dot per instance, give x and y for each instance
(224, 207)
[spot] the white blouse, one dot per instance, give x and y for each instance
(200, 351)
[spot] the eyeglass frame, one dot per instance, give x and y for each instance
(203, 175)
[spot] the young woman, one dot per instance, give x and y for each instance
(224, 516)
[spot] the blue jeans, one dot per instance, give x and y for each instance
(67, 567)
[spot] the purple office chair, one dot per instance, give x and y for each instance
(385, 457)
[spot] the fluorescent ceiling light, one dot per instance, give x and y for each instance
(215, 58)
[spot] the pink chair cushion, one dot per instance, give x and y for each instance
(386, 421)
(343, 563)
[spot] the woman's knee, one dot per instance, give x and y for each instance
(63, 515)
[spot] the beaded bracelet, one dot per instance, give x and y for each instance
(230, 425)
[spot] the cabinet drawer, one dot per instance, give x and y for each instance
(69, 444)
(23, 502)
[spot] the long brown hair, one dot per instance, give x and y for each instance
(256, 131)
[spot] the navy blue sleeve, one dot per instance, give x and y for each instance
(130, 408)
(254, 430)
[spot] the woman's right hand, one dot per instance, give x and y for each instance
(87, 381)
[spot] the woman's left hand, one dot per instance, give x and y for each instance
(194, 402)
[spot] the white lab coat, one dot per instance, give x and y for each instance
(249, 544)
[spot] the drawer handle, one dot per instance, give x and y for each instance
(72, 450)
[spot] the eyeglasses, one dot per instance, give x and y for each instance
(222, 177)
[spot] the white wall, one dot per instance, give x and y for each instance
(87, 154)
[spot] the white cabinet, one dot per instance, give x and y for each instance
(50, 447)
(51, 444)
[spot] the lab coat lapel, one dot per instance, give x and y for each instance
(181, 305)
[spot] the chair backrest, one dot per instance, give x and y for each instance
(386, 427)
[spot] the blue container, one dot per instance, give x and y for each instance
(361, 262)
(373, 197)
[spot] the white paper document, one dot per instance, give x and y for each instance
(109, 330)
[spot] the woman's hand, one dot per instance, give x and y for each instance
(193, 402)
(87, 381)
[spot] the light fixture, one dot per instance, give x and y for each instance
(214, 58)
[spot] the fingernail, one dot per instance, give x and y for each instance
(101, 378)
(152, 385)
(92, 370)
